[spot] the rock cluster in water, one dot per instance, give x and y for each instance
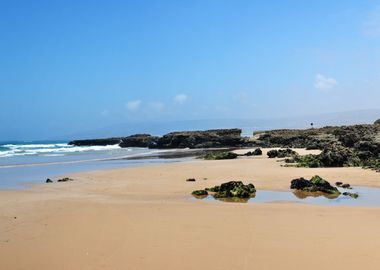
(315, 184)
(232, 189)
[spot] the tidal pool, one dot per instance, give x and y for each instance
(368, 197)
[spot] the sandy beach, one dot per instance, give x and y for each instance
(145, 218)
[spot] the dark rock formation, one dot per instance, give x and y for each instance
(281, 153)
(190, 180)
(66, 179)
(315, 184)
(96, 142)
(187, 139)
(201, 139)
(220, 155)
(346, 186)
(233, 189)
(256, 152)
(199, 193)
(49, 180)
(338, 184)
(377, 122)
(139, 140)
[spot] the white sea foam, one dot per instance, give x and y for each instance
(50, 149)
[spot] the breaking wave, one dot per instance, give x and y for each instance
(58, 149)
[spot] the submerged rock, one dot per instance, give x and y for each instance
(190, 180)
(352, 195)
(49, 180)
(315, 184)
(338, 184)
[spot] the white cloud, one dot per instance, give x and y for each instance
(157, 106)
(324, 83)
(180, 99)
(371, 26)
(133, 105)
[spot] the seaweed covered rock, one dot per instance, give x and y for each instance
(220, 155)
(256, 152)
(233, 189)
(281, 153)
(332, 156)
(338, 156)
(315, 184)
(310, 161)
(199, 193)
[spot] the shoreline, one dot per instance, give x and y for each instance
(134, 217)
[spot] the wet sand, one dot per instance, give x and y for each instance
(144, 218)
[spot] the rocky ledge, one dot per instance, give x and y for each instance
(186, 139)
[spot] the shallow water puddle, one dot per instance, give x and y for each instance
(369, 197)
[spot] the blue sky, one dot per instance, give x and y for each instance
(72, 66)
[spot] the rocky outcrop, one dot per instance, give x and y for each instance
(315, 184)
(139, 140)
(233, 189)
(96, 142)
(377, 122)
(220, 155)
(281, 153)
(256, 152)
(201, 139)
(187, 139)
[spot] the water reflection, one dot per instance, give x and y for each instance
(369, 197)
(304, 195)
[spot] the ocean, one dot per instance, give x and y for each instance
(24, 163)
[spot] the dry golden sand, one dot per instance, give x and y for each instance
(144, 218)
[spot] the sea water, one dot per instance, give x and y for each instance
(33, 162)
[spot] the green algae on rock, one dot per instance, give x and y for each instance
(220, 155)
(315, 184)
(233, 189)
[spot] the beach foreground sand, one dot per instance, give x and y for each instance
(145, 218)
